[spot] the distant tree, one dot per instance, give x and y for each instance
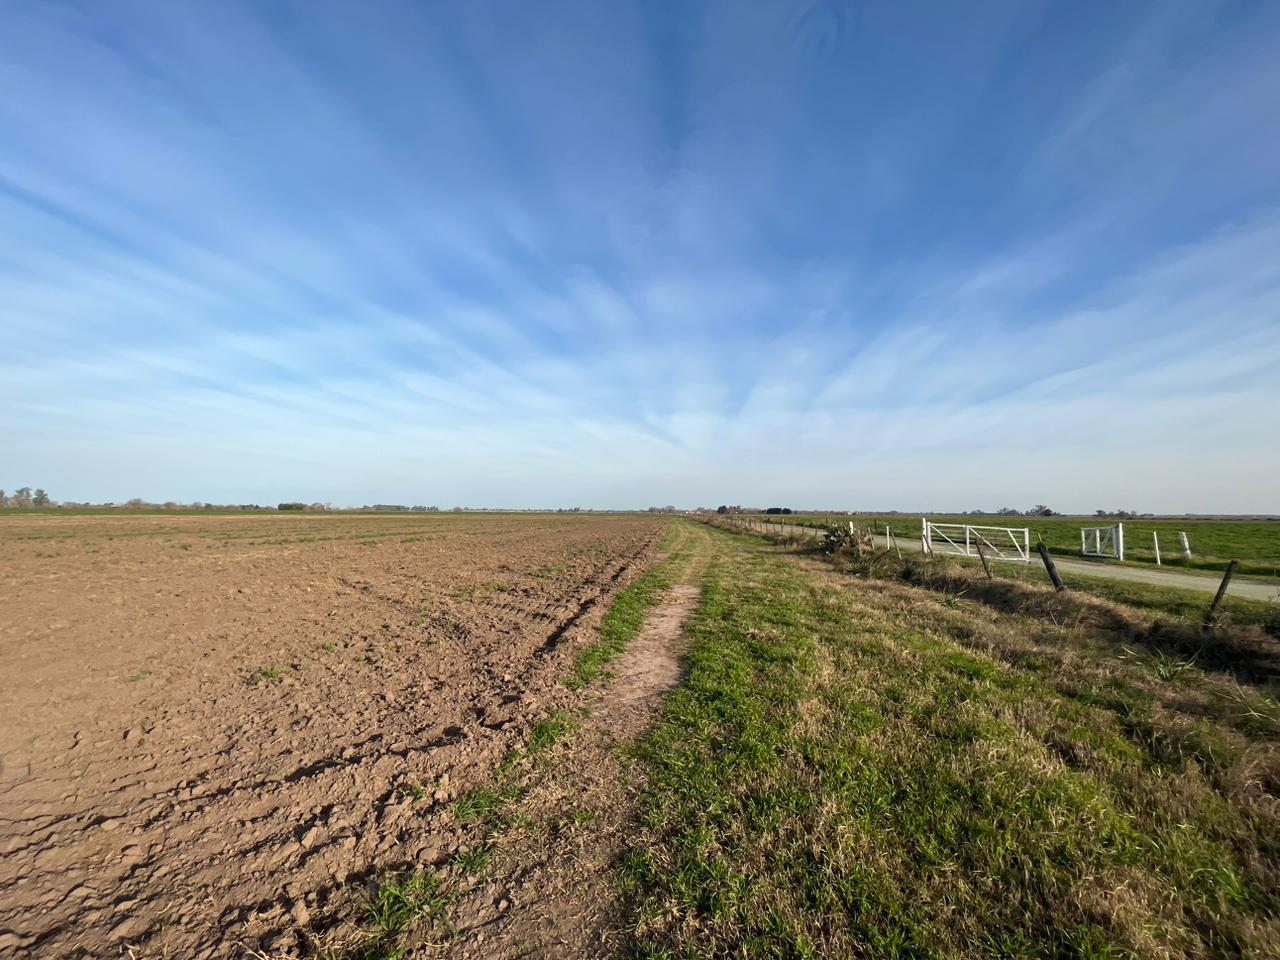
(1007, 512)
(4, 500)
(21, 497)
(722, 509)
(293, 505)
(1040, 510)
(41, 499)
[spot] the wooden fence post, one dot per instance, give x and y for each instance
(1222, 592)
(983, 557)
(1049, 567)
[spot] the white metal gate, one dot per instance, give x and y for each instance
(963, 540)
(1103, 541)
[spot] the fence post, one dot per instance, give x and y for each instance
(1049, 567)
(1120, 540)
(1155, 540)
(924, 536)
(983, 557)
(1186, 544)
(1222, 592)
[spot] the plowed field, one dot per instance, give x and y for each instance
(213, 727)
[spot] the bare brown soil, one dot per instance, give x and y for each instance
(213, 729)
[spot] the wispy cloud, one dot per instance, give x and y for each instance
(610, 255)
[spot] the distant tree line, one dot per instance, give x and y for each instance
(25, 497)
(1039, 510)
(400, 508)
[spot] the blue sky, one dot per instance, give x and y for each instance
(873, 255)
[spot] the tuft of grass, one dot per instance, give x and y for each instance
(483, 805)
(140, 675)
(548, 732)
(414, 790)
(484, 588)
(475, 860)
(399, 902)
(272, 674)
(1167, 666)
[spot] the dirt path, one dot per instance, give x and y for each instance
(1201, 583)
(553, 893)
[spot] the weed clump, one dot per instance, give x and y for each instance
(272, 674)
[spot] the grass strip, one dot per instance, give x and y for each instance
(858, 769)
(625, 618)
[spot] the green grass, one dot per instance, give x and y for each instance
(552, 730)
(475, 860)
(1186, 605)
(414, 790)
(620, 625)
(272, 674)
(401, 903)
(485, 588)
(855, 769)
(484, 804)
(1172, 603)
(1255, 543)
